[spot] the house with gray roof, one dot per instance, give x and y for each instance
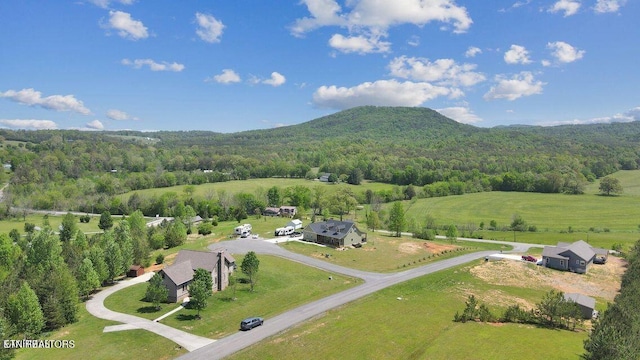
(586, 303)
(334, 233)
(574, 257)
(177, 277)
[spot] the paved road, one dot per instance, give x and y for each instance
(373, 282)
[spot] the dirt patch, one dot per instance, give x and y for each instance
(158, 267)
(429, 247)
(438, 248)
(409, 248)
(602, 281)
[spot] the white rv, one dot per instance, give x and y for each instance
(243, 230)
(283, 231)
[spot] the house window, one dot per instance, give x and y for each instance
(561, 262)
(582, 263)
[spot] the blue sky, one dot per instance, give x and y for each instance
(230, 66)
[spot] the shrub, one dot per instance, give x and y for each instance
(159, 259)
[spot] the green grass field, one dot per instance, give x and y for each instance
(253, 185)
(278, 279)
(384, 253)
(92, 343)
(379, 327)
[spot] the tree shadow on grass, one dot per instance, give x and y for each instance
(147, 309)
(185, 317)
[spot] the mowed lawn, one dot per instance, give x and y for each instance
(414, 320)
(92, 343)
(282, 285)
(384, 253)
(548, 212)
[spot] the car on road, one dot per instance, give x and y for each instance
(250, 323)
(529, 258)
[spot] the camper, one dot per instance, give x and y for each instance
(243, 230)
(283, 231)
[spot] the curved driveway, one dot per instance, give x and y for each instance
(95, 306)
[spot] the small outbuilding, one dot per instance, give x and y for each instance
(135, 271)
(295, 223)
(586, 303)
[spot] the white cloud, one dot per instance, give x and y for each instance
(608, 6)
(359, 44)
(414, 41)
(627, 116)
(119, 115)
(460, 114)
(209, 28)
(564, 52)
(517, 55)
(228, 76)
(95, 125)
(570, 7)
(472, 51)
(372, 18)
(381, 92)
(153, 66)
(32, 97)
(127, 27)
(105, 3)
(276, 79)
(441, 71)
(29, 124)
(323, 13)
(519, 85)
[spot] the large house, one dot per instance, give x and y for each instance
(334, 233)
(177, 277)
(574, 257)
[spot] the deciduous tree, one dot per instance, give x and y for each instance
(610, 185)
(397, 220)
(250, 266)
(156, 291)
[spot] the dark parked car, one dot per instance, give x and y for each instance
(250, 323)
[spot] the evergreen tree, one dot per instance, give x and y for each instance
(113, 259)
(88, 279)
(106, 221)
(68, 227)
(24, 313)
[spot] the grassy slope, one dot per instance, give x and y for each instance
(377, 327)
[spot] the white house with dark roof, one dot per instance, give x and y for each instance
(334, 233)
(574, 257)
(177, 277)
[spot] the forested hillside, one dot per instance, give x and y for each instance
(66, 169)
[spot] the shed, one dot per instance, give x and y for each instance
(586, 303)
(135, 271)
(295, 223)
